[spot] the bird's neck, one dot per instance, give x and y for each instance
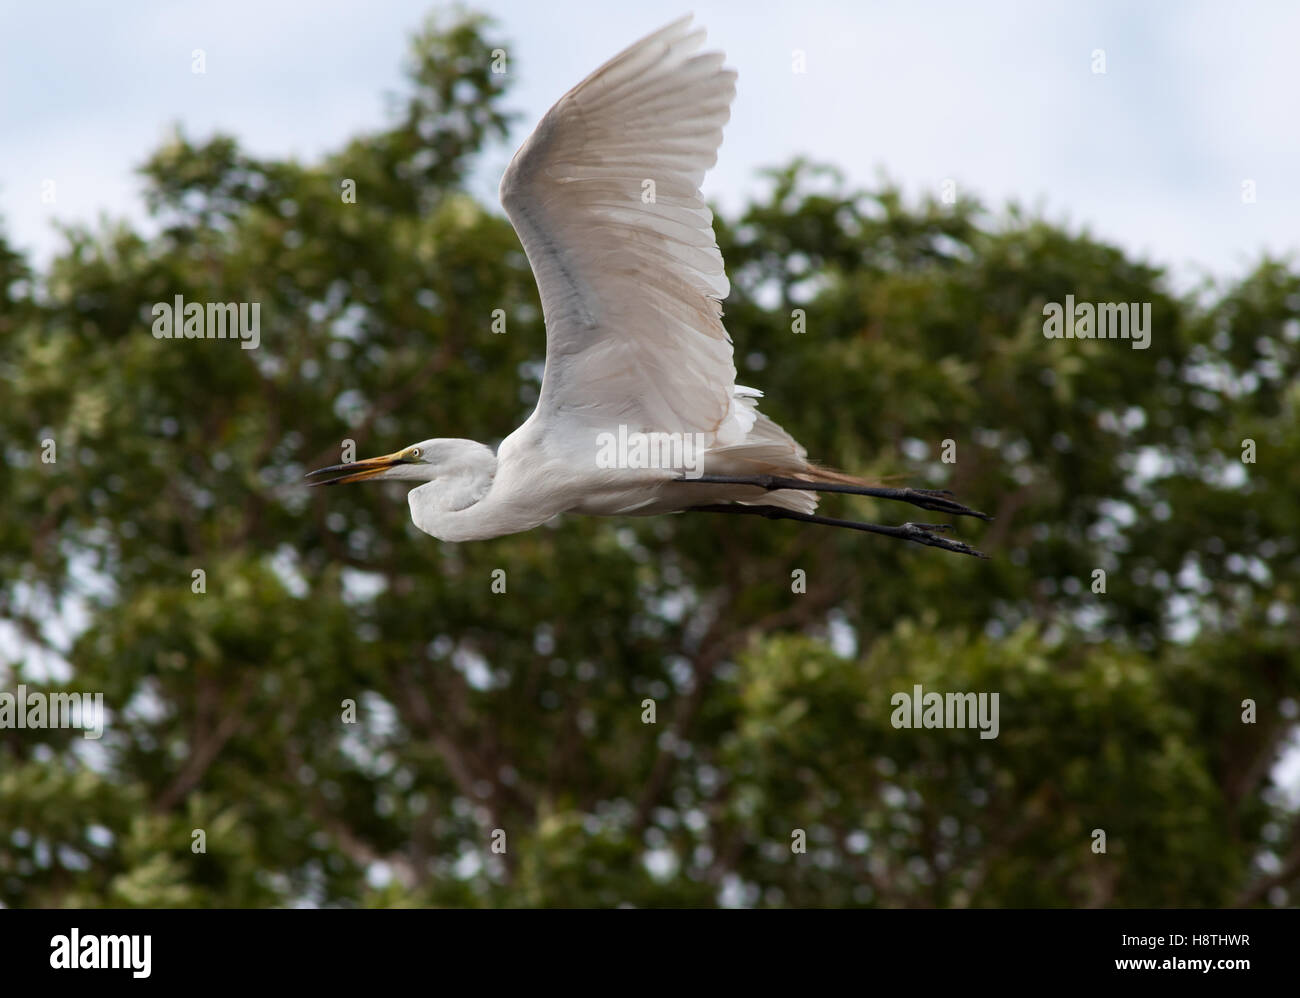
(452, 507)
(455, 492)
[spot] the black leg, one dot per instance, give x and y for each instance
(935, 500)
(918, 533)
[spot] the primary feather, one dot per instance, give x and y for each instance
(605, 197)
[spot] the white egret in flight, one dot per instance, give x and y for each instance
(631, 288)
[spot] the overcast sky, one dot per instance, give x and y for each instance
(1196, 99)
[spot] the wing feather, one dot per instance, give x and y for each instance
(630, 288)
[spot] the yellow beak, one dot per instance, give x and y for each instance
(358, 471)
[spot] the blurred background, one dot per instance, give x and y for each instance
(920, 180)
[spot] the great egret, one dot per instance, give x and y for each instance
(605, 197)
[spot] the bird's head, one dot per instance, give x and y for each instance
(422, 462)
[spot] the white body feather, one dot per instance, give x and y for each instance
(630, 289)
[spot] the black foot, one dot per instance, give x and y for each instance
(917, 533)
(935, 500)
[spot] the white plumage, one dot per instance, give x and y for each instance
(605, 197)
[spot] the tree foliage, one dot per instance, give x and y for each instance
(517, 718)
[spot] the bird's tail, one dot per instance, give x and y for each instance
(769, 450)
(820, 473)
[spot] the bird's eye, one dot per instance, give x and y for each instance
(413, 453)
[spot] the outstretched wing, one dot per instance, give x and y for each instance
(605, 196)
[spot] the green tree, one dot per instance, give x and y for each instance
(500, 751)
